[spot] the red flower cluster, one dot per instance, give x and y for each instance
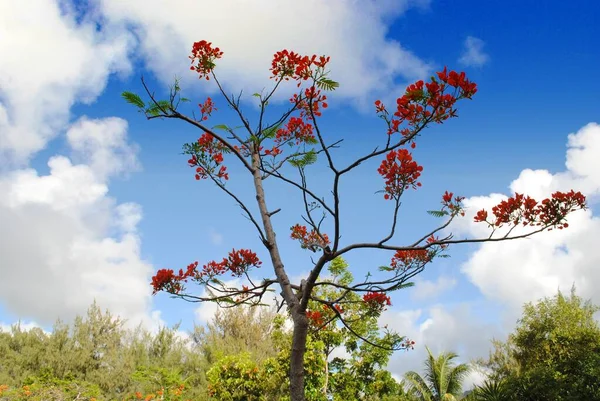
(433, 239)
(237, 262)
(288, 65)
(309, 239)
(211, 156)
(400, 172)
(425, 102)
(203, 58)
(295, 129)
(165, 280)
(377, 300)
(206, 108)
(458, 81)
(408, 344)
(454, 207)
(315, 318)
(526, 210)
(313, 99)
(410, 258)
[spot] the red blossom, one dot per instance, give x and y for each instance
(315, 318)
(410, 258)
(520, 209)
(481, 215)
(309, 239)
(203, 58)
(164, 278)
(288, 64)
(312, 100)
(377, 300)
(425, 102)
(295, 129)
(432, 239)
(238, 262)
(400, 172)
(459, 81)
(455, 206)
(206, 109)
(211, 156)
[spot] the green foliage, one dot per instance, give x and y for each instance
(491, 390)
(304, 160)
(276, 369)
(554, 353)
(442, 381)
(240, 349)
(361, 376)
(438, 213)
(327, 84)
(159, 108)
(96, 356)
(236, 378)
(231, 332)
(223, 127)
(133, 99)
(53, 390)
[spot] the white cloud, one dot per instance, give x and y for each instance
(57, 251)
(102, 145)
(473, 54)
(363, 59)
(426, 289)
(442, 329)
(23, 325)
(520, 271)
(48, 63)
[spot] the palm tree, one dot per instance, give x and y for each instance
(491, 390)
(442, 381)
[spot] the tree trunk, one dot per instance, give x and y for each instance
(297, 357)
(298, 315)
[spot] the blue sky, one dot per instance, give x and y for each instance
(119, 201)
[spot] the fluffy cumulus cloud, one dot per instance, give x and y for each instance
(473, 54)
(520, 271)
(49, 61)
(64, 242)
(442, 328)
(353, 33)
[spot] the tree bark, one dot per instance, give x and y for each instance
(298, 315)
(297, 356)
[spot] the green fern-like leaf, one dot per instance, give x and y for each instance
(327, 84)
(306, 159)
(270, 132)
(438, 213)
(400, 286)
(162, 107)
(133, 99)
(222, 127)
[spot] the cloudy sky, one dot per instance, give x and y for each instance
(94, 198)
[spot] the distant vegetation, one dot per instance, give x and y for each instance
(553, 354)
